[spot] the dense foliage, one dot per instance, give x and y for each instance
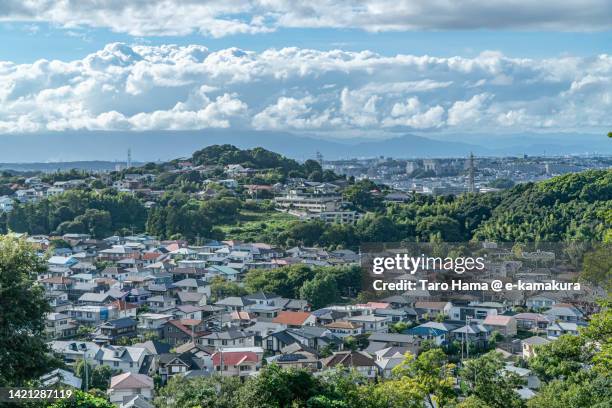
(78, 211)
(23, 352)
(321, 286)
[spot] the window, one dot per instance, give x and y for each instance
(115, 364)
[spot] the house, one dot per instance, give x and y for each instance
(176, 332)
(137, 401)
(229, 274)
(564, 313)
(531, 380)
(138, 296)
(60, 378)
(541, 301)
(294, 319)
(474, 333)
(124, 309)
(379, 341)
(531, 321)
(477, 311)
(227, 339)
(187, 312)
(126, 386)
(530, 344)
(297, 356)
(95, 299)
(59, 326)
(343, 328)
(127, 359)
(91, 314)
(358, 360)
(112, 331)
(433, 309)
(114, 272)
(152, 323)
(439, 333)
(234, 303)
(192, 298)
(371, 323)
(389, 358)
(238, 362)
(506, 325)
(160, 303)
(154, 347)
(72, 351)
(557, 329)
(171, 364)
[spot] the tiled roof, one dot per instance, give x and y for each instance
(291, 318)
(130, 381)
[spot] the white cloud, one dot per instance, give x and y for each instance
(124, 87)
(219, 18)
(290, 113)
(469, 112)
(413, 115)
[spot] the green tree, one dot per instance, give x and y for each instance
(597, 267)
(486, 380)
(432, 374)
(275, 387)
(82, 399)
(361, 195)
(320, 292)
(473, 402)
(560, 358)
(23, 352)
(213, 392)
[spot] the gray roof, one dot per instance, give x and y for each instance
(234, 301)
(536, 340)
(391, 337)
(94, 297)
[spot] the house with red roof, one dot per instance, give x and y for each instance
(238, 362)
(289, 319)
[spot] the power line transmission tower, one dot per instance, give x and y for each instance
(471, 172)
(129, 158)
(319, 157)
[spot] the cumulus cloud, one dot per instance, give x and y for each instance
(123, 87)
(219, 18)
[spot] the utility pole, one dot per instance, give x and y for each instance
(84, 348)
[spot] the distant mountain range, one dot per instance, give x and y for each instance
(165, 145)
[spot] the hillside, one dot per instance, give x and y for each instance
(190, 200)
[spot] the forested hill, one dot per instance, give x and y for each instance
(575, 206)
(257, 158)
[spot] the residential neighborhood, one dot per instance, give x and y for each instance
(160, 315)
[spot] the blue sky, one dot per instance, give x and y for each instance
(32, 41)
(335, 68)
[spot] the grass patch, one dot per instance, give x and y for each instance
(257, 225)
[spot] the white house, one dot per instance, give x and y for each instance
(127, 385)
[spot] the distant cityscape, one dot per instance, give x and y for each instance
(452, 175)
